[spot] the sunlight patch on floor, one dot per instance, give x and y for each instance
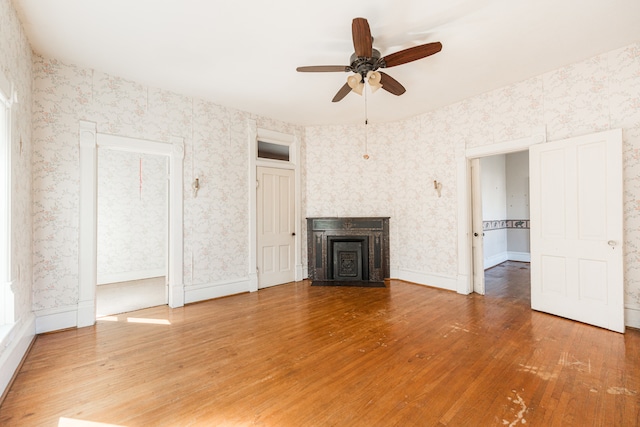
(150, 321)
(72, 422)
(145, 320)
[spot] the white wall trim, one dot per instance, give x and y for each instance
(203, 292)
(519, 256)
(632, 317)
(538, 136)
(176, 223)
(465, 280)
(54, 319)
(252, 177)
(496, 259)
(88, 233)
(18, 340)
(429, 279)
(127, 276)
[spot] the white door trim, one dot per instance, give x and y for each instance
(293, 143)
(90, 140)
(465, 260)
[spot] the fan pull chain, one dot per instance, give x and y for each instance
(366, 134)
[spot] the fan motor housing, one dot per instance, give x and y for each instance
(362, 64)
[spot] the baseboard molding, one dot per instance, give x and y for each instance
(18, 343)
(299, 274)
(519, 256)
(207, 291)
(632, 317)
(430, 279)
(127, 276)
(56, 318)
(496, 259)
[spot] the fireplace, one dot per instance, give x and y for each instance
(348, 249)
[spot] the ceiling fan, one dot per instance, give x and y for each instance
(366, 61)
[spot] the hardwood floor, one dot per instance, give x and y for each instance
(510, 281)
(297, 355)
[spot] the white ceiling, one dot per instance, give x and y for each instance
(243, 53)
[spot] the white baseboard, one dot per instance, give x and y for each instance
(195, 293)
(519, 256)
(496, 259)
(299, 274)
(632, 317)
(127, 276)
(430, 279)
(17, 344)
(56, 318)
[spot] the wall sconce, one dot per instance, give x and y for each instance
(438, 187)
(196, 187)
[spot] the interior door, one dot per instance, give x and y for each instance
(276, 226)
(576, 229)
(477, 244)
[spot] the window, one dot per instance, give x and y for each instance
(268, 150)
(6, 295)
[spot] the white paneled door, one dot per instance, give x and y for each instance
(276, 226)
(477, 245)
(577, 230)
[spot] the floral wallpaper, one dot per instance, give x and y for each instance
(599, 93)
(405, 157)
(216, 152)
(132, 214)
(15, 64)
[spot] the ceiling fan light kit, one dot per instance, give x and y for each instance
(366, 60)
(365, 63)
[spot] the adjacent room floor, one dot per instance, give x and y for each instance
(115, 298)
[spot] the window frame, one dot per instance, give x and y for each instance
(7, 95)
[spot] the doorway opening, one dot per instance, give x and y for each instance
(501, 222)
(90, 140)
(132, 238)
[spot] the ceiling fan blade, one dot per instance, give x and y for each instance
(323, 68)
(362, 40)
(412, 54)
(391, 85)
(344, 91)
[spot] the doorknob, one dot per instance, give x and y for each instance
(612, 243)
(475, 234)
(293, 234)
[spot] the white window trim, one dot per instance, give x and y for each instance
(7, 316)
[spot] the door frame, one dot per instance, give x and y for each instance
(293, 142)
(90, 141)
(465, 284)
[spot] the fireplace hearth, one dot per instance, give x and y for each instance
(348, 249)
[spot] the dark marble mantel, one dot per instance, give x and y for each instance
(372, 231)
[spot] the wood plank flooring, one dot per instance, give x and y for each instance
(297, 355)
